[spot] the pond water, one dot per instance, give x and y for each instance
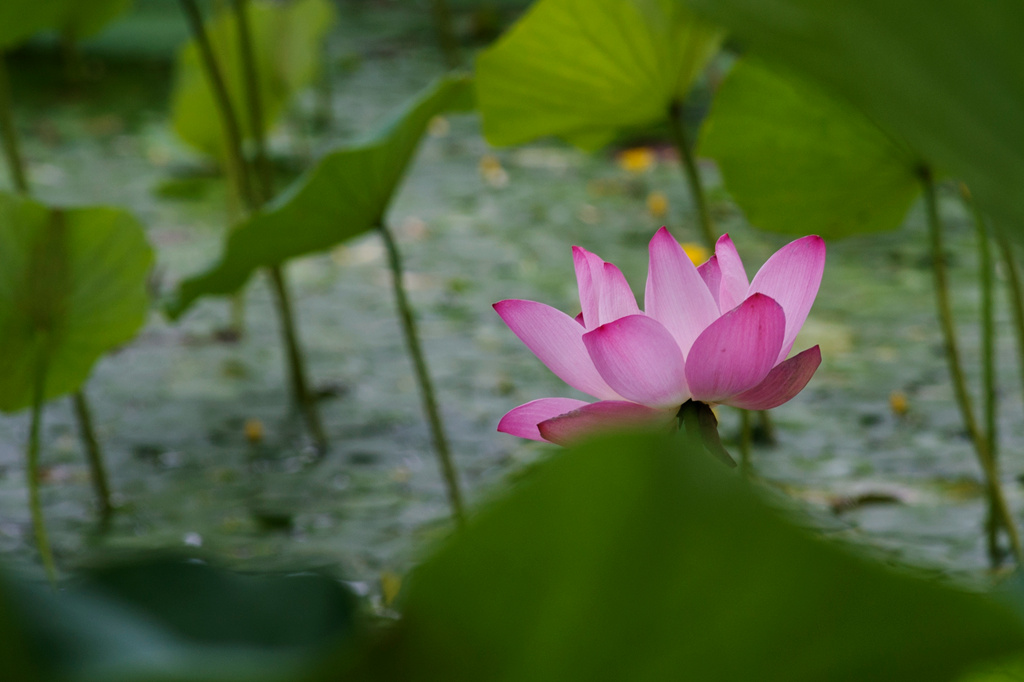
(172, 407)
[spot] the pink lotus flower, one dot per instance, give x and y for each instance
(707, 334)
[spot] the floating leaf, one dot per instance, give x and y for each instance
(799, 161)
(641, 559)
(72, 287)
(945, 75)
(287, 43)
(344, 195)
(584, 69)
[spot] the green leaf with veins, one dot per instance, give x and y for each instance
(72, 287)
(584, 69)
(799, 161)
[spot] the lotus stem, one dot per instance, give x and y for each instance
(700, 421)
(252, 98)
(746, 436)
(97, 469)
(997, 498)
(296, 360)
(682, 144)
(1016, 291)
(35, 506)
(986, 281)
(12, 151)
(229, 121)
(419, 362)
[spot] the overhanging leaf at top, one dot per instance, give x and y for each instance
(344, 195)
(72, 287)
(583, 69)
(801, 162)
(945, 75)
(287, 45)
(640, 559)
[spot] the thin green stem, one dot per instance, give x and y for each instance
(990, 469)
(226, 111)
(97, 469)
(746, 438)
(446, 33)
(679, 137)
(986, 277)
(252, 98)
(12, 152)
(419, 362)
(296, 360)
(700, 421)
(35, 506)
(1016, 291)
(229, 121)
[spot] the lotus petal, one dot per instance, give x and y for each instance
(676, 295)
(736, 352)
(640, 360)
(556, 340)
(792, 277)
(523, 420)
(786, 380)
(607, 415)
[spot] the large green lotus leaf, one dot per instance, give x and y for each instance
(796, 160)
(170, 620)
(83, 19)
(945, 75)
(20, 19)
(287, 41)
(583, 69)
(344, 195)
(643, 559)
(72, 287)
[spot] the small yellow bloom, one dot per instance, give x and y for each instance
(657, 204)
(898, 403)
(438, 126)
(492, 172)
(254, 431)
(636, 160)
(695, 252)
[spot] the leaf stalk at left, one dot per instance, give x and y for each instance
(83, 415)
(32, 474)
(295, 359)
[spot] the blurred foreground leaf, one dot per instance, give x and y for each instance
(636, 559)
(170, 620)
(584, 69)
(20, 19)
(945, 75)
(72, 287)
(288, 45)
(800, 162)
(344, 195)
